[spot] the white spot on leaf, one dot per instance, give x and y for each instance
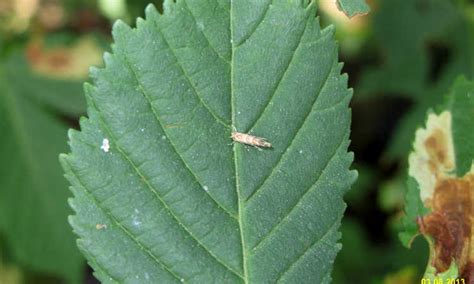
(100, 226)
(105, 145)
(136, 222)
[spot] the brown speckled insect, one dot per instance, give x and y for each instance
(250, 140)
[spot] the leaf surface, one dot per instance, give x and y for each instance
(353, 7)
(172, 199)
(461, 102)
(33, 198)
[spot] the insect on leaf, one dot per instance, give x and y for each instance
(173, 199)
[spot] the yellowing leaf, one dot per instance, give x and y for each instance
(433, 157)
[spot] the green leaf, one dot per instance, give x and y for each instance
(353, 7)
(461, 102)
(404, 71)
(33, 193)
(414, 208)
(173, 199)
(354, 264)
(409, 68)
(61, 95)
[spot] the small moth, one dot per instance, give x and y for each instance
(250, 140)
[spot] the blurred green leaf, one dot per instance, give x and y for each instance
(51, 70)
(162, 196)
(64, 96)
(357, 196)
(406, 275)
(461, 102)
(403, 30)
(365, 260)
(351, 264)
(113, 9)
(414, 208)
(353, 7)
(33, 192)
(408, 34)
(391, 194)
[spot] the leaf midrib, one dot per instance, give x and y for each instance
(148, 99)
(240, 201)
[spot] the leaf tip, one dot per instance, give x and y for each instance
(119, 29)
(63, 159)
(151, 11)
(71, 219)
(94, 71)
(140, 22)
(329, 31)
(88, 92)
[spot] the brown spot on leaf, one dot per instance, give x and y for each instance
(450, 224)
(450, 198)
(433, 158)
(64, 62)
(56, 59)
(437, 147)
(468, 273)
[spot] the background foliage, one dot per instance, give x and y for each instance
(401, 59)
